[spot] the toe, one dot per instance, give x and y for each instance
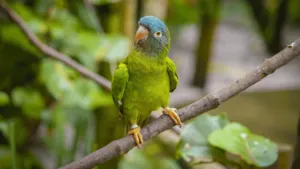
(174, 116)
(177, 119)
(136, 138)
(171, 115)
(140, 138)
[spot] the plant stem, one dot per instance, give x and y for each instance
(12, 142)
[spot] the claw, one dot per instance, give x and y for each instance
(137, 136)
(171, 112)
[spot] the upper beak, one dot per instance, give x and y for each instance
(141, 33)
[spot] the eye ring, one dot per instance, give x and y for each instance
(158, 34)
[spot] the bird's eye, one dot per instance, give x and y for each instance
(158, 34)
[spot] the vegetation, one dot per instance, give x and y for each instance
(50, 115)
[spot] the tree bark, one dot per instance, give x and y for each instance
(270, 26)
(207, 27)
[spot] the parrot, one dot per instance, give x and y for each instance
(142, 82)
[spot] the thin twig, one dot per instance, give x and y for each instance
(210, 101)
(51, 52)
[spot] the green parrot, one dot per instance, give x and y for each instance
(143, 81)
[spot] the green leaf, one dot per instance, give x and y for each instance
(4, 128)
(12, 34)
(103, 2)
(33, 22)
(30, 100)
(237, 139)
(194, 145)
(4, 99)
(118, 48)
(72, 90)
(90, 47)
(137, 159)
(23, 11)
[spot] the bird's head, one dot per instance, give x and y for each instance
(152, 36)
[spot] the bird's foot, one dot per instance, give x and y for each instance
(173, 115)
(135, 131)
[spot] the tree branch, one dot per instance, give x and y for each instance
(208, 102)
(51, 52)
(163, 123)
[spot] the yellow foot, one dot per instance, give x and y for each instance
(137, 136)
(173, 115)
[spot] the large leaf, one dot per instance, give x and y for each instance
(11, 34)
(72, 90)
(86, 45)
(194, 145)
(237, 139)
(30, 100)
(90, 47)
(118, 48)
(4, 99)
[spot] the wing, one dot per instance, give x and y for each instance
(119, 82)
(171, 68)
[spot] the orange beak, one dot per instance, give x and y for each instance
(141, 33)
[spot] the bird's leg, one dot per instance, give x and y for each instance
(135, 131)
(173, 115)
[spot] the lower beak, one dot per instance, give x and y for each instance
(141, 33)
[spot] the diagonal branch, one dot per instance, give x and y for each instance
(210, 101)
(51, 52)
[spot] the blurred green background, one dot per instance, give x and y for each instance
(51, 116)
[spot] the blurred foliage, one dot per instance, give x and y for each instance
(4, 99)
(194, 141)
(29, 100)
(46, 104)
(294, 11)
(209, 20)
(211, 138)
(237, 139)
(151, 157)
(36, 91)
(182, 12)
(270, 17)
